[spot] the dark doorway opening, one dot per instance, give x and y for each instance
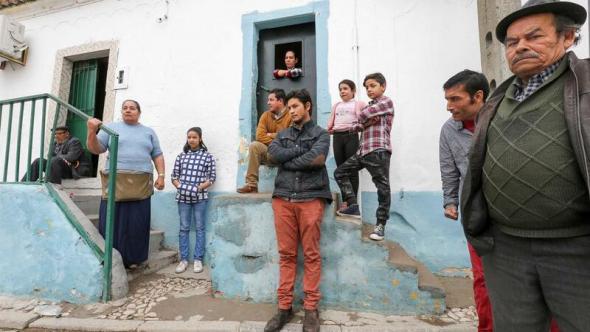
(87, 93)
(281, 50)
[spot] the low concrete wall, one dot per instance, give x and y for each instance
(242, 255)
(42, 254)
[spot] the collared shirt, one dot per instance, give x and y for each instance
(279, 115)
(454, 145)
(522, 92)
(375, 121)
(193, 168)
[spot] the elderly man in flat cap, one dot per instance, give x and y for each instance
(526, 203)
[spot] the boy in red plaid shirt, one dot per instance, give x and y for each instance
(373, 154)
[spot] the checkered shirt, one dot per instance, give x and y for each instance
(191, 169)
(375, 122)
(522, 92)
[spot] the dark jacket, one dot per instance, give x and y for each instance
(72, 151)
(301, 155)
(577, 115)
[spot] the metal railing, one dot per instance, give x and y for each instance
(34, 111)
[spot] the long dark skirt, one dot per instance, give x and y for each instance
(131, 235)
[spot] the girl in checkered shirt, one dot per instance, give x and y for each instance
(194, 172)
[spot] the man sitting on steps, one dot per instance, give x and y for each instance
(66, 156)
(275, 119)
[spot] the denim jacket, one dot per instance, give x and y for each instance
(301, 154)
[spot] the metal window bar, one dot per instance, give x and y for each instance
(61, 108)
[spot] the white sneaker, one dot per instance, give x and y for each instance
(198, 268)
(181, 266)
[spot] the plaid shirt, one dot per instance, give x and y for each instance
(375, 121)
(191, 169)
(523, 92)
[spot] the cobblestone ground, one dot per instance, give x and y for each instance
(167, 297)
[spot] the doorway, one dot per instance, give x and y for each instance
(87, 93)
(272, 46)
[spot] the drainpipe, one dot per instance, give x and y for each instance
(355, 45)
(357, 75)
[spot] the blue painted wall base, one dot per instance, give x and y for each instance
(43, 255)
(418, 224)
(243, 259)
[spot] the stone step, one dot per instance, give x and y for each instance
(156, 240)
(94, 219)
(399, 258)
(350, 220)
(87, 200)
(85, 192)
(156, 261)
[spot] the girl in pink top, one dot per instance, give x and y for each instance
(343, 118)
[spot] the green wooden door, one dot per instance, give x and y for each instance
(82, 96)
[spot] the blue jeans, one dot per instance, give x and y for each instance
(189, 212)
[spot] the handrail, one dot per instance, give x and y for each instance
(61, 107)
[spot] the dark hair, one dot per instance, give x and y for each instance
(62, 128)
(303, 96)
(294, 54)
(133, 101)
(350, 84)
(471, 80)
(375, 76)
(563, 24)
(199, 132)
(279, 94)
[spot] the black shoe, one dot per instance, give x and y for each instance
(311, 321)
(276, 323)
(351, 211)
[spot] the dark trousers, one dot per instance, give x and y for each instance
(377, 163)
(531, 280)
(59, 170)
(344, 146)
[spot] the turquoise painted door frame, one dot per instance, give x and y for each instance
(252, 23)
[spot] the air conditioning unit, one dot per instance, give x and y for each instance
(12, 38)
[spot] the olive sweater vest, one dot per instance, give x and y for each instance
(531, 179)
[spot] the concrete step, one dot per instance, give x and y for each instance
(399, 258)
(350, 220)
(156, 261)
(85, 192)
(87, 200)
(156, 240)
(94, 219)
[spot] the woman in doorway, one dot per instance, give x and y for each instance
(291, 61)
(139, 147)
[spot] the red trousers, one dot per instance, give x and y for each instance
(299, 222)
(480, 293)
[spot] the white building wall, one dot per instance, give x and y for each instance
(186, 71)
(417, 45)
